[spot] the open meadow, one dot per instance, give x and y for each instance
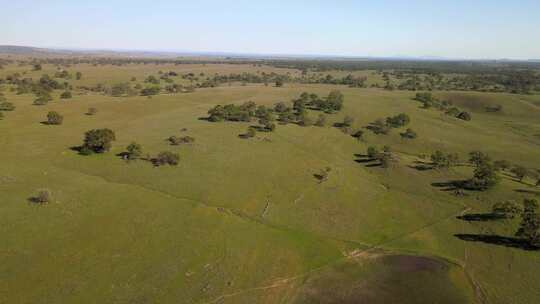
(283, 212)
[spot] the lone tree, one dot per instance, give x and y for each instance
(485, 177)
(78, 75)
(167, 158)
(98, 141)
(134, 151)
(54, 118)
(530, 222)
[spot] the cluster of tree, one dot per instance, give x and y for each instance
(383, 126)
(429, 101)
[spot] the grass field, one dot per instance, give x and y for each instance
(245, 221)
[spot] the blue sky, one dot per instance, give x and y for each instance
(456, 29)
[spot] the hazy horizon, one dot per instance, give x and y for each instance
(417, 29)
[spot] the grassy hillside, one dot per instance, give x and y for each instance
(244, 220)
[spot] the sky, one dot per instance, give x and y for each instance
(473, 29)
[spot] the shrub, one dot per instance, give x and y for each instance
(397, 121)
(43, 196)
(41, 101)
(66, 95)
(180, 140)
(54, 118)
(167, 158)
(7, 106)
(91, 111)
(409, 134)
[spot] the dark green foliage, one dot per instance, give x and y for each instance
(332, 103)
(78, 75)
(134, 151)
(409, 134)
(36, 67)
(398, 121)
(98, 140)
(167, 158)
(530, 222)
(279, 83)
(54, 118)
(66, 95)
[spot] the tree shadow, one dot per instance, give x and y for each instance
(204, 118)
(123, 155)
(421, 167)
(34, 200)
(527, 191)
(481, 217)
(454, 185)
(498, 240)
(368, 162)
